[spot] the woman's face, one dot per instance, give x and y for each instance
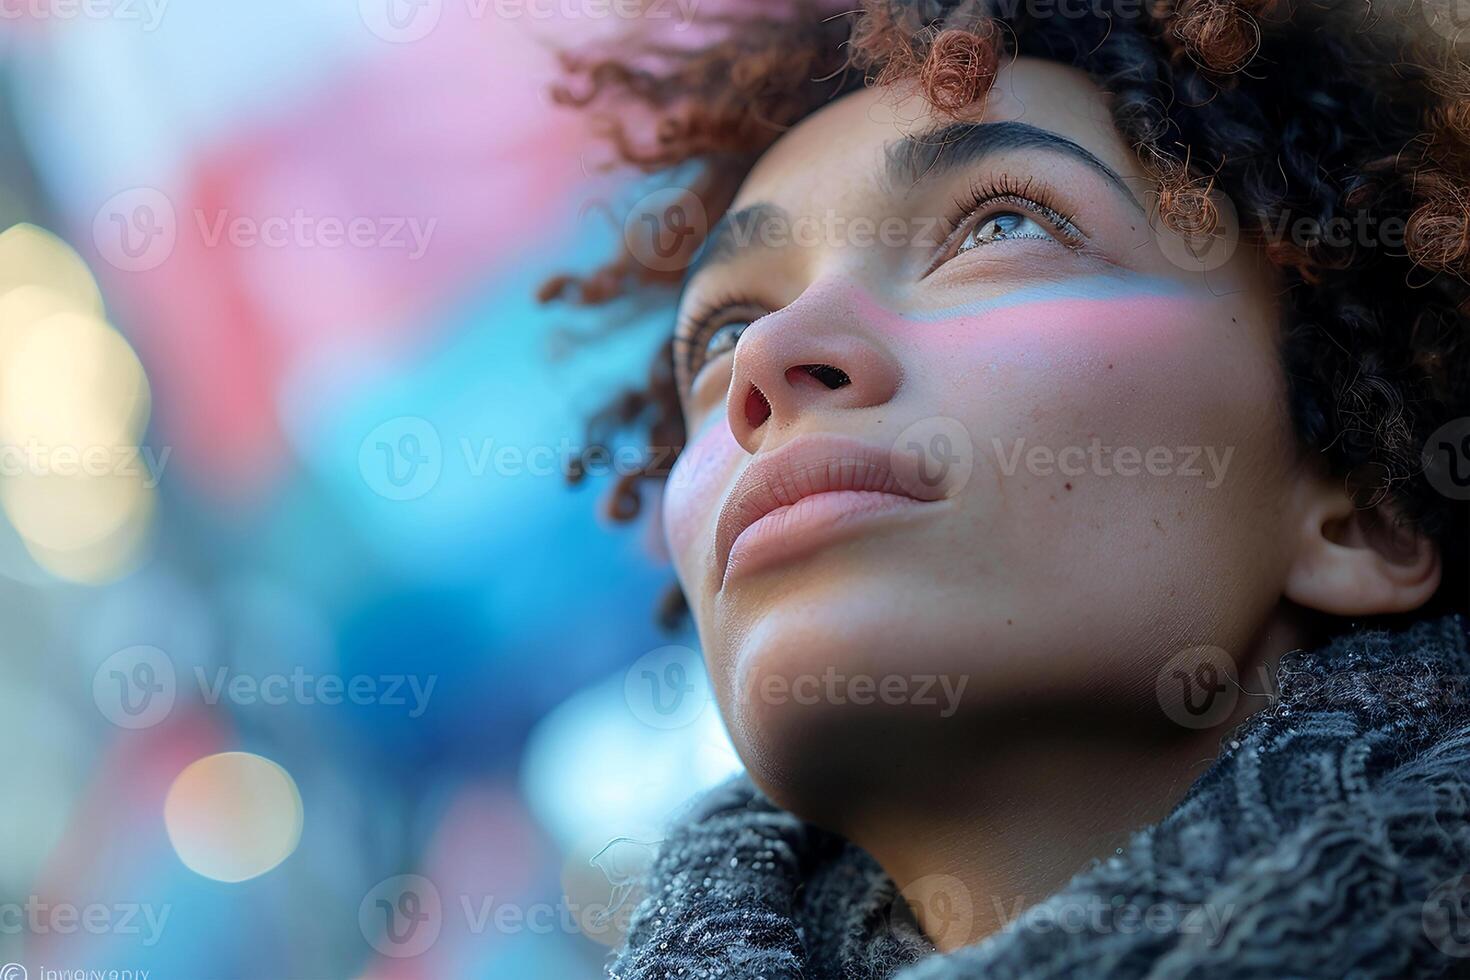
(937, 482)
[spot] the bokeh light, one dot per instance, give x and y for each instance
(74, 402)
(33, 256)
(233, 816)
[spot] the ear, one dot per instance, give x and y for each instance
(1357, 561)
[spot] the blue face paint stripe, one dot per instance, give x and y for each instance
(1099, 287)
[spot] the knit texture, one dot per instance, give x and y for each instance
(1329, 839)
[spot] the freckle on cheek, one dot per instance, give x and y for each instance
(695, 485)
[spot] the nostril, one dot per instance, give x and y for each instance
(830, 376)
(757, 409)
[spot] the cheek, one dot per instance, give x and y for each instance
(692, 495)
(1140, 372)
(1118, 425)
(1127, 451)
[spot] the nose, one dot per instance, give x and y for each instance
(812, 356)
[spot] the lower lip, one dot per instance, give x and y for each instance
(800, 528)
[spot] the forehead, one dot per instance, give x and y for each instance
(841, 147)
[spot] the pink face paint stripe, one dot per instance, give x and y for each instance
(1038, 319)
(1101, 288)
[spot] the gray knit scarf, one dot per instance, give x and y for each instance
(1331, 838)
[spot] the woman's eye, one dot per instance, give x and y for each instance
(1002, 226)
(722, 340)
(712, 335)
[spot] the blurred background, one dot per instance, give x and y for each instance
(313, 665)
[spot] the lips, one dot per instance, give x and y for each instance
(858, 479)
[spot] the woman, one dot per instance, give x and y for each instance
(1071, 501)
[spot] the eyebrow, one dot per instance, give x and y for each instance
(734, 229)
(914, 159)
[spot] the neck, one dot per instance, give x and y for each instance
(970, 861)
(1010, 825)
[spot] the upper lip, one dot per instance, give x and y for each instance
(801, 468)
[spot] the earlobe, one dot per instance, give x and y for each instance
(1357, 561)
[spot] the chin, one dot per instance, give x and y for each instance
(827, 702)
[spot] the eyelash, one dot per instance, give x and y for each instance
(980, 203)
(708, 318)
(967, 212)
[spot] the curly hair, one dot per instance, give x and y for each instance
(1303, 114)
